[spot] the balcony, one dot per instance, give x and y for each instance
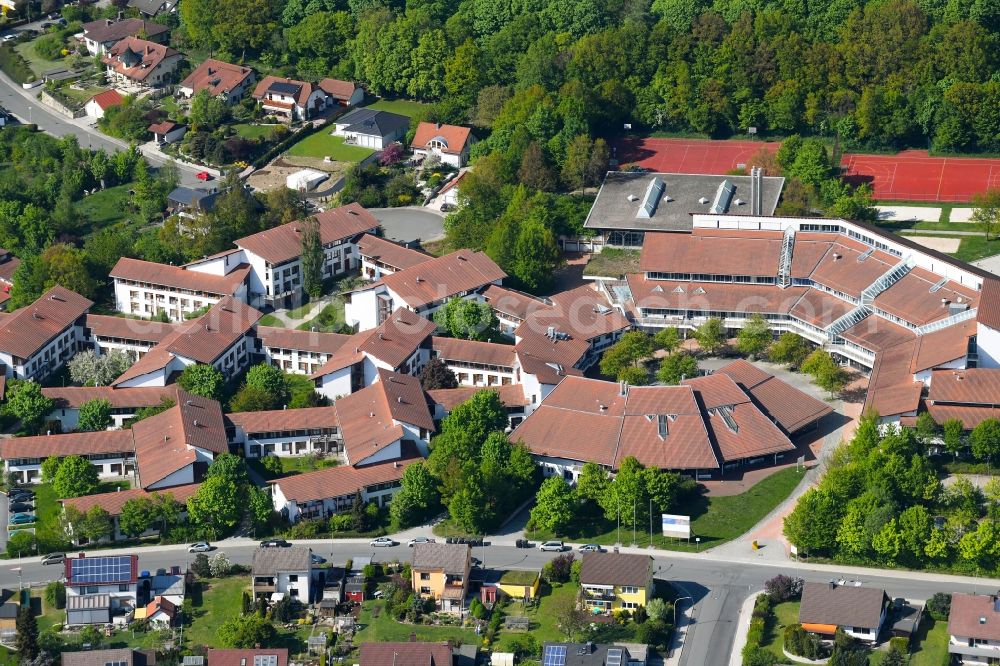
(986, 651)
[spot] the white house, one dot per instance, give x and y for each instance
(282, 571)
(274, 255)
(38, 339)
(329, 491)
(147, 289)
(111, 452)
(859, 611)
(167, 131)
(288, 99)
(105, 333)
(124, 402)
(423, 288)
(222, 337)
(342, 93)
(114, 501)
(101, 35)
(450, 143)
(974, 628)
(383, 257)
(371, 128)
(287, 432)
(476, 363)
(299, 352)
(100, 589)
(101, 102)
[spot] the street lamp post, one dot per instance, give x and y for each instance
(677, 603)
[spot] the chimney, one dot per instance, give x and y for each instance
(399, 399)
(623, 388)
(196, 424)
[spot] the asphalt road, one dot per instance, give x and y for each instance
(716, 587)
(410, 223)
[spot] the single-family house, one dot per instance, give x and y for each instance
(38, 339)
(101, 35)
(255, 657)
(141, 64)
(288, 99)
(167, 131)
(440, 571)
(101, 102)
(152, 8)
(282, 571)
(342, 93)
(859, 611)
(594, 654)
(449, 143)
(8, 266)
(974, 628)
(100, 589)
(221, 79)
(412, 653)
(612, 581)
(192, 202)
(371, 128)
(117, 656)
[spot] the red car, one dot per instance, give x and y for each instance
(203, 175)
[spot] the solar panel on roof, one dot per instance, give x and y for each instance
(554, 655)
(108, 569)
(265, 660)
(284, 88)
(614, 657)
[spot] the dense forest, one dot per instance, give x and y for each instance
(885, 74)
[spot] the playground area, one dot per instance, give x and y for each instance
(911, 175)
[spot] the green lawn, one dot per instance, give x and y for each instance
(543, 623)
(612, 262)
(271, 320)
(380, 627)
(329, 320)
(931, 643)
(39, 64)
(404, 107)
(248, 131)
(220, 599)
(774, 633)
(105, 207)
(323, 144)
(714, 519)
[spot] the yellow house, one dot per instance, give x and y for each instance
(520, 584)
(441, 571)
(613, 581)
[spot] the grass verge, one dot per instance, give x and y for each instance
(784, 614)
(404, 107)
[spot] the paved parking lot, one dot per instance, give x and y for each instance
(410, 223)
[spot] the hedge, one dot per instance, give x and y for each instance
(14, 66)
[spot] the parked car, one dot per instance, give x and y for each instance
(591, 548)
(21, 518)
(415, 540)
(8, 38)
(275, 543)
(382, 542)
(200, 547)
(47, 25)
(317, 559)
(20, 507)
(552, 547)
(54, 558)
(21, 492)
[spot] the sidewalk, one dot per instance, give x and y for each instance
(680, 631)
(742, 627)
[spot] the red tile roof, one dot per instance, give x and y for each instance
(988, 312)
(26, 331)
(245, 657)
(106, 30)
(283, 243)
(113, 502)
(912, 300)
(974, 616)
(392, 342)
(453, 137)
(163, 127)
(126, 328)
(70, 444)
(511, 395)
(974, 386)
(405, 654)
(443, 277)
(151, 56)
(472, 351)
(73, 397)
(290, 338)
(787, 406)
(891, 388)
(177, 278)
(8, 264)
(107, 99)
(340, 481)
(217, 77)
(304, 89)
(514, 304)
(746, 253)
(389, 253)
(279, 420)
(337, 89)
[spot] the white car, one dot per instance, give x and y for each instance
(200, 547)
(382, 542)
(591, 548)
(552, 546)
(415, 540)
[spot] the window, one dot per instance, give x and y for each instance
(425, 590)
(293, 578)
(123, 587)
(629, 604)
(424, 576)
(629, 589)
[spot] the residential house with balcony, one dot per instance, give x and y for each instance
(100, 589)
(974, 628)
(613, 581)
(371, 128)
(859, 611)
(283, 571)
(106, 333)
(101, 35)
(67, 401)
(113, 502)
(140, 64)
(299, 352)
(147, 289)
(8, 266)
(440, 571)
(287, 432)
(38, 339)
(423, 288)
(111, 452)
(288, 99)
(449, 143)
(341, 93)
(255, 657)
(480, 364)
(275, 255)
(221, 79)
(383, 257)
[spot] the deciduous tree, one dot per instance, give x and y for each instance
(203, 380)
(95, 415)
(76, 477)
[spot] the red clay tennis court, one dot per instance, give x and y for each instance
(912, 175)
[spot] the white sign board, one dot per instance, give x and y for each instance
(677, 526)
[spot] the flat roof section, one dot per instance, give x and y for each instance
(633, 200)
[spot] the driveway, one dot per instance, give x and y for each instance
(412, 223)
